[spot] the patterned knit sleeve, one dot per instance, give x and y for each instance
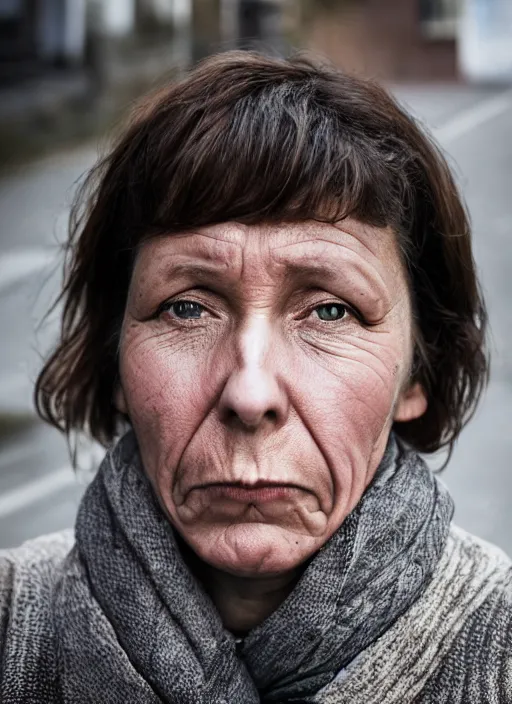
(26, 576)
(478, 667)
(6, 586)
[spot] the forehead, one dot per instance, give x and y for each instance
(235, 248)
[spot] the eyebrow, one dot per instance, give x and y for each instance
(295, 269)
(199, 271)
(300, 269)
(311, 270)
(304, 267)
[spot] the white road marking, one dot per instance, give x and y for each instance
(14, 455)
(27, 494)
(471, 118)
(16, 265)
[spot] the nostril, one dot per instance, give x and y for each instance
(231, 416)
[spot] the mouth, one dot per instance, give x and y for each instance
(259, 492)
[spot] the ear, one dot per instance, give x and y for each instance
(120, 399)
(412, 403)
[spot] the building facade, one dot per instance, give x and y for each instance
(396, 39)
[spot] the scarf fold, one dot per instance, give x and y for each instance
(134, 625)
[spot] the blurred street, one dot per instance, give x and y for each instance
(38, 493)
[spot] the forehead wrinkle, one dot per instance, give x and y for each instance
(228, 232)
(357, 231)
(334, 241)
(215, 248)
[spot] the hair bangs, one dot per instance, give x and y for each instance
(273, 154)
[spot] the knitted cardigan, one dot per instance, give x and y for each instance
(399, 606)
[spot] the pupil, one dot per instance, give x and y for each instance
(187, 309)
(331, 312)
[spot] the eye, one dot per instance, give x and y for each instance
(186, 310)
(329, 312)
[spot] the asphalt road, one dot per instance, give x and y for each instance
(38, 491)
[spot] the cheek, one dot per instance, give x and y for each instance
(349, 396)
(360, 377)
(168, 391)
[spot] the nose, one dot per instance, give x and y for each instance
(252, 396)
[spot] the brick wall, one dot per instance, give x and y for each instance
(382, 39)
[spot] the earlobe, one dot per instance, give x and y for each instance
(411, 404)
(120, 400)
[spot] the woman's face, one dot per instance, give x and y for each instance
(262, 367)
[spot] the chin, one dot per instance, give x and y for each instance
(253, 549)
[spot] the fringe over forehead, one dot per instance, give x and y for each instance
(249, 138)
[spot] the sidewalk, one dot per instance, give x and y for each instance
(34, 205)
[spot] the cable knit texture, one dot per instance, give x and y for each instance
(398, 606)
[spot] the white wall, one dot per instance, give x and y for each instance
(118, 17)
(485, 40)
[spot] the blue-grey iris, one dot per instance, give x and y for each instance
(331, 311)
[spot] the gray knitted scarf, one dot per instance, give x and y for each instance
(134, 625)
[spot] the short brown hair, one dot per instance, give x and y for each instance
(249, 138)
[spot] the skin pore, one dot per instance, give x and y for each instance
(262, 367)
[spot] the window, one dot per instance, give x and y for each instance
(439, 18)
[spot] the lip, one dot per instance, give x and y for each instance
(260, 492)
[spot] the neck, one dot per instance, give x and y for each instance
(245, 602)
(242, 602)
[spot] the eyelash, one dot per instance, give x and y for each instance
(166, 305)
